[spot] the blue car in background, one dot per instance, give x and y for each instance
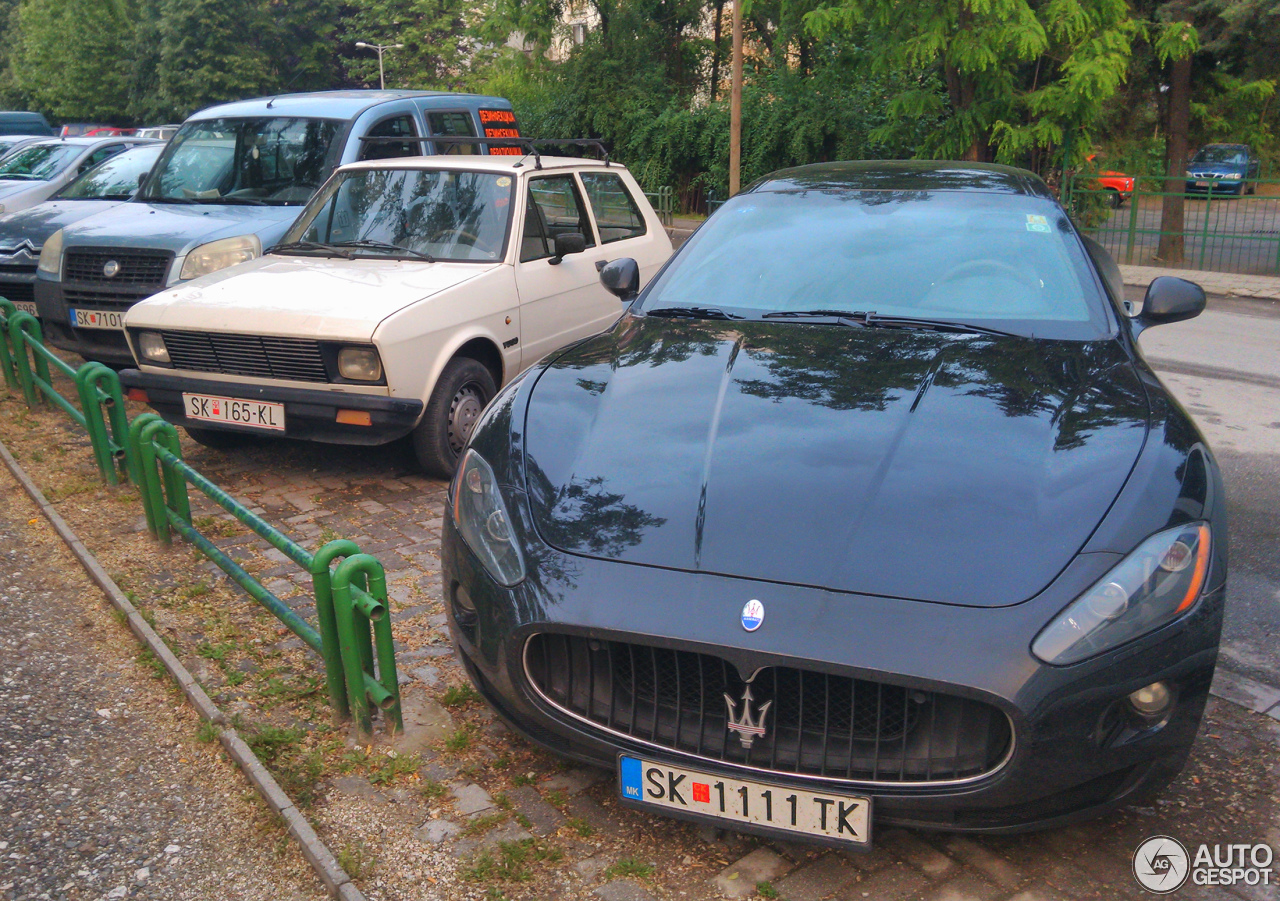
(227, 186)
(1229, 168)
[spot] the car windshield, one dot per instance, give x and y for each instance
(115, 179)
(1230, 155)
(1001, 261)
(444, 214)
(276, 161)
(39, 162)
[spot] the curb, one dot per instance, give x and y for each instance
(322, 861)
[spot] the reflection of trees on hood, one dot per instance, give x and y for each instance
(583, 515)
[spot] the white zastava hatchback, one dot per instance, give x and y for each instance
(407, 292)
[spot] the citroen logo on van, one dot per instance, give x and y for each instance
(111, 269)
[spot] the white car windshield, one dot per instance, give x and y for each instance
(416, 213)
(39, 162)
(274, 161)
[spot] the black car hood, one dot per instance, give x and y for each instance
(934, 466)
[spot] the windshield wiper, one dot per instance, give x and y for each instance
(691, 313)
(855, 315)
(370, 244)
(313, 245)
(934, 325)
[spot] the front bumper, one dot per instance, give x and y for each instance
(1221, 187)
(104, 345)
(1064, 765)
(310, 414)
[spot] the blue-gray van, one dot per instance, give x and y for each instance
(228, 185)
(20, 122)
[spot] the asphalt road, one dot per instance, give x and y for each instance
(1224, 367)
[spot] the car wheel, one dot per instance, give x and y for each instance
(216, 439)
(462, 392)
(1113, 198)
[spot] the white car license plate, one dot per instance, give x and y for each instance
(25, 306)
(843, 817)
(253, 413)
(106, 319)
(1202, 184)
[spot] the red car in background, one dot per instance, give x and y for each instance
(1119, 187)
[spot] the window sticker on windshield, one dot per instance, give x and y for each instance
(1037, 223)
(504, 182)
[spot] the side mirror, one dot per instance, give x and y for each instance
(1171, 299)
(621, 278)
(567, 243)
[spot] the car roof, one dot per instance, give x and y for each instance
(904, 175)
(325, 104)
(502, 163)
(95, 140)
(1232, 146)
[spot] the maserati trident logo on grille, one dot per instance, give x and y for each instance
(748, 727)
(111, 269)
(752, 615)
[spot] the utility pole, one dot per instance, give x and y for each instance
(382, 80)
(735, 105)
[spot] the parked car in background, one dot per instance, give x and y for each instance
(79, 129)
(161, 132)
(1229, 168)
(10, 143)
(22, 234)
(1117, 185)
(36, 172)
(17, 122)
(867, 512)
(405, 295)
(228, 184)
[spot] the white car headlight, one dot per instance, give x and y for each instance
(217, 255)
(482, 520)
(51, 254)
(1154, 585)
(151, 348)
(360, 364)
(1233, 175)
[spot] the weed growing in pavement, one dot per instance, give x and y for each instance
(431, 789)
(37, 457)
(149, 660)
(207, 732)
(524, 821)
(119, 615)
(235, 678)
(216, 526)
(355, 860)
(509, 863)
(581, 826)
(272, 742)
(394, 767)
(461, 738)
(503, 801)
(194, 590)
(629, 866)
(765, 889)
(494, 894)
(557, 798)
(459, 695)
(71, 489)
(523, 779)
(215, 652)
(326, 535)
(483, 823)
(501, 762)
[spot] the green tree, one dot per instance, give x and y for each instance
(437, 44)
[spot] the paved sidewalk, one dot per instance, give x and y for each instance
(1229, 284)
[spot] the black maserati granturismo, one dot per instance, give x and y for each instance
(867, 511)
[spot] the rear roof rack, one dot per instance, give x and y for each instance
(529, 145)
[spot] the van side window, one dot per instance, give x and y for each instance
(394, 127)
(554, 207)
(617, 214)
(453, 125)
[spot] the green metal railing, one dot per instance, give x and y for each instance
(354, 626)
(1229, 225)
(664, 203)
(26, 361)
(350, 603)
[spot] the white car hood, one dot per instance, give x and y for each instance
(301, 296)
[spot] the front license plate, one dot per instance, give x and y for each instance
(107, 319)
(253, 413)
(1202, 184)
(843, 817)
(26, 306)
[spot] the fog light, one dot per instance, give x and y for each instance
(1151, 700)
(464, 610)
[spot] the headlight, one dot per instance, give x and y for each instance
(1232, 175)
(51, 254)
(482, 520)
(217, 255)
(360, 364)
(151, 348)
(1154, 585)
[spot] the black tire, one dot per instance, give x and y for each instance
(463, 390)
(1114, 199)
(216, 439)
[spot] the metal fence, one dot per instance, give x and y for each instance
(664, 203)
(1228, 225)
(354, 627)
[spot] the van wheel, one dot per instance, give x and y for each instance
(216, 439)
(463, 390)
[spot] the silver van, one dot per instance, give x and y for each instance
(227, 186)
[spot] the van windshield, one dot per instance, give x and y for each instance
(276, 161)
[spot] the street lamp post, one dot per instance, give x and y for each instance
(382, 81)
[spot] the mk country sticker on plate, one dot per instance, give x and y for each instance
(253, 413)
(843, 817)
(108, 319)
